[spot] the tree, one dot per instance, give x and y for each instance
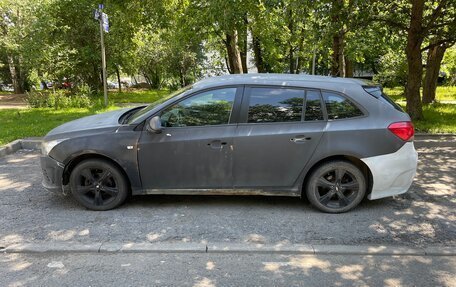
(442, 36)
(434, 60)
(16, 28)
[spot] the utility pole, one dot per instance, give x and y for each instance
(104, 27)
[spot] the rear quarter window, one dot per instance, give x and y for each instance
(339, 107)
(377, 92)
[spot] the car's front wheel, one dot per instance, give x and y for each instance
(97, 184)
(336, 186)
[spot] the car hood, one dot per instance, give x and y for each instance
(95, 122)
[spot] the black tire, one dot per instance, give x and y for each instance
(98, 185)
(336, 187)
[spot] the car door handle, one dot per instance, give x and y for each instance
(300, 139)
(216, 144)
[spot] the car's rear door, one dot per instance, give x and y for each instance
(278, 132)
(195, 149)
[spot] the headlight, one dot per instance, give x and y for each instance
(46, 147)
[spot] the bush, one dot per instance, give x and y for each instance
(58, 99)
(392, 70)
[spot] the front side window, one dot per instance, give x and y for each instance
(205, 109)
(339, 107)
(275, 105)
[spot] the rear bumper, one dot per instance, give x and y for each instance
(392, 173)
(52, 174)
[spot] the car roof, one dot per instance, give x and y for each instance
(279, 79)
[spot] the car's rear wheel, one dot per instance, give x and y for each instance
(98, 185)
(336, 187)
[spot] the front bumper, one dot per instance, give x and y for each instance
(52, 174)
(392, 173)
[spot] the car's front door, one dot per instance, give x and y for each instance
(277, 134)
(194, 150)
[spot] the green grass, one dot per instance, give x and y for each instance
(438, 118)
(444, 93)
(22, 123)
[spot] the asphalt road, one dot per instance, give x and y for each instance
(424, 216)
(210, 270)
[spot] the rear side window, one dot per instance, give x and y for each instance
(339, 107)
(268, 105)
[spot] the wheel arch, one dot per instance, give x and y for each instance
(72, 163)
(352, 159)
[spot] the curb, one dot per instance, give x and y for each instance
(14, 146)
(10, 148)
(229, 248)
(32, 143)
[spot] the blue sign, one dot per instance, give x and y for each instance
(96, 14)
(100, 6)
(105, 20)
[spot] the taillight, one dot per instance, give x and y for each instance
(404, 130)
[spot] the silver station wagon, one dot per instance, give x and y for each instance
(333, 141)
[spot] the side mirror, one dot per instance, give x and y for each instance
(154, 125)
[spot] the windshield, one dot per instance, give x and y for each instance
(143, 111)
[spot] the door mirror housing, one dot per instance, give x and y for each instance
(154, 125)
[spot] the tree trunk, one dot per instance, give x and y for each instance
(118, 79)
(291, 59)
(228, 64)
(335, 56)
(257, 54)
(338, 60)
(14, 75)
(244, 46)
(341, 65)
(243, 52)
(348, 68)
(182, 77)
(300, 58)
(338, 57)
(414, 64)
(234, 55)
(434, 59)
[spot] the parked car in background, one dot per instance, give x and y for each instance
(6, 87)
(112, 85)
(333, 141)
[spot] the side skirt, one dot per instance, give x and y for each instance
(220, 192)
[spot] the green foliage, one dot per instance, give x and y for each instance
(392, 70)
(449, 65)
(59, 99)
